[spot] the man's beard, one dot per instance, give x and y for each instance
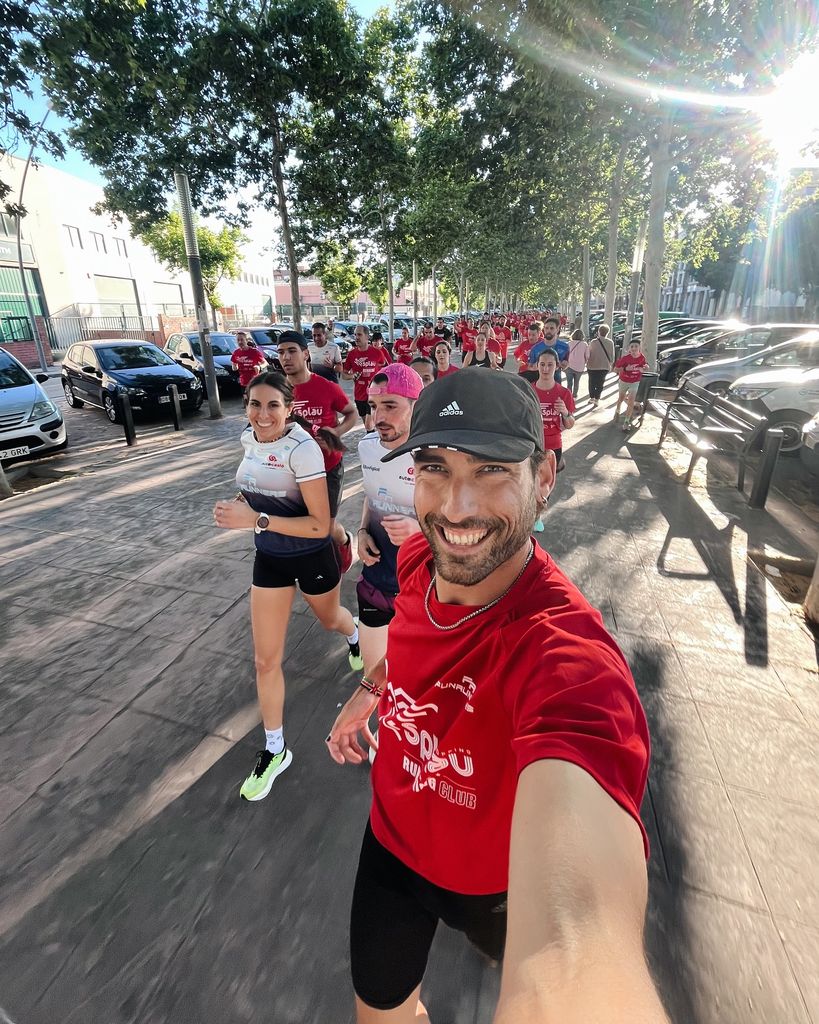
(469, 570)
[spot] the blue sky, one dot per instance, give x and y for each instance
(73, 162)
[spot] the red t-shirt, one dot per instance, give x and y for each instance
(631, 367)
(468, 336)
(246, 360)
(426, 345)
(536, 677)
(448, 371)
(401, 350)
(552, 423)
(366, 364)
(317, 401)
(504, 336)
(521, 353)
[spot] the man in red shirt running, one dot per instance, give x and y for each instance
(522, 352)
(248, 361)
(330, 414)
(361, 364)
(512, 746)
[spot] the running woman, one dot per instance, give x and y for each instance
(361, 364)
(388, 515)
(330, 414)
(442, 354)
(630, 368)
(513, 750)
(481, 355)
(283, 498)
(557, 405)
(402, 347)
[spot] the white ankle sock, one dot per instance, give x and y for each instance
(353, 637)
(274, 740)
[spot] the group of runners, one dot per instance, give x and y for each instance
(512, 749)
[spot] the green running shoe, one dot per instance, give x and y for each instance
(268, 767)
(354, 657)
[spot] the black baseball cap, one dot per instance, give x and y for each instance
(295, 338)
(477, 411)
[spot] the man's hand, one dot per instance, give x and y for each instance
(367, 550)
(399, 528)
(234, 515)
(343, 742)
(560, 406)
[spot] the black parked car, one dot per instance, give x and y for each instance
(186, 350)
(98, 372)
(732, 344)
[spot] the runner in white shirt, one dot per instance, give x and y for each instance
(283, 498)
(325, 355)
(388, 516)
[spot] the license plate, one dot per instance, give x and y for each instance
(164, 398)
(13, 453)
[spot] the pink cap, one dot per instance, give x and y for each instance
(401, 380)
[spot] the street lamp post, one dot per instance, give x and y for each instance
(38, 344)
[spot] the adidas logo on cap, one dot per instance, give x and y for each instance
(453, 409)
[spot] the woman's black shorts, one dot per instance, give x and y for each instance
(315, 573)
(394, 916)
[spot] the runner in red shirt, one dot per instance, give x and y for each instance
(504, 337)
(521, 353)
(425, 342)
(330, 414)
(402, 347)
(441, 356)
(361, 364)
(248, 361)
(513, 750)
(556, 406)
(468, 336)
(630, 369)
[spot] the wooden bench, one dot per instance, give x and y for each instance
(705, 422)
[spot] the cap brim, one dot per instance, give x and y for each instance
(481, 444)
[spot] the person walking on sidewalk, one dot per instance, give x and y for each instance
(513, 749)
(247, 359)
(601, 356)
(630, 369)
(330, 414)
(388, 514)
(576, 361)
(283, 499)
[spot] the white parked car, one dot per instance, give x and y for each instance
(30, 423)
(788, 397)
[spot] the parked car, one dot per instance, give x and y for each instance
(788, 397)
(734, 344)
(719, 375)
(809, 452)
(185, 350)
(97, 372)
(30, 423)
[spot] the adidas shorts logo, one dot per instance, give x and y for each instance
(453, 409)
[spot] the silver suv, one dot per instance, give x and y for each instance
(30, 423)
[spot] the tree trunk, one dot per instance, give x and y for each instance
(414, 298)
(586, 308)
(615, 205)
(461, 292)
(486, 297)
(659, 149)
(634, 285)
(385, 241)
(434, 294)
(284, 217)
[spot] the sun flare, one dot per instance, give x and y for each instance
(789, 115)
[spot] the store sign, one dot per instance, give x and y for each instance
(8, 251)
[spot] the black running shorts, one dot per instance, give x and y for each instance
(315, 573)
(363, 408)
(394, 916)
(335, 482)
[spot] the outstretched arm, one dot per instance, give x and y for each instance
(577, 899)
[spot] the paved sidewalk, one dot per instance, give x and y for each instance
(136, 887)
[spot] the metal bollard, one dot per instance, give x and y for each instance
(764, 473)
(176, 408)
(127, 420)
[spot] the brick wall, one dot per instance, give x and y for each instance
(169, 325)
(26, 351)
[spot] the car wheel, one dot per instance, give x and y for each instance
(790, 422)
(719, 387)
(110, 407)
(70, 397)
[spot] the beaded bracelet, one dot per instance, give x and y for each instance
(370, 687)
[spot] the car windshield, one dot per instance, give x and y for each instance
(222, 344)
(132, 357)
(11, 374)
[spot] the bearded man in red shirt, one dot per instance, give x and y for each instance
(512, 746)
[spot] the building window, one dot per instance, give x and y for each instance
(8, 225)
(99, 241)
(121, 250)
(74, 237)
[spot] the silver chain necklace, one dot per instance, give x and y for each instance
(478, 611)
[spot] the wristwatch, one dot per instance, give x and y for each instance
(262, 522)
